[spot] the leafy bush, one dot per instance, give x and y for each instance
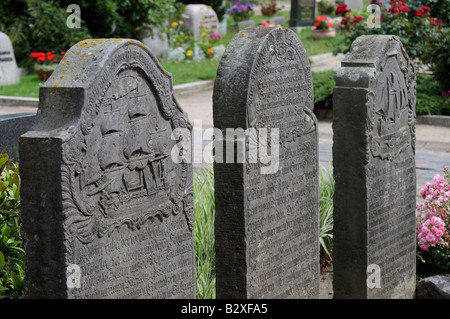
(35, 25)
(326, 193)
(437, 56)
(204, 216)
(12, 262)
(408, 20)
(323, 83)
(429, 97)
(40, 26)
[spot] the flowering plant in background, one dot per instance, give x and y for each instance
(433, 231)
(271, 5)
(433, 216)
(241, 11)
(323, 23)
(46, 61)
(407, 19)
(186, 47)
(341, 10)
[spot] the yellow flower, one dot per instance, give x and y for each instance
(210, 51)
(170, 29)
(180, 22)
(174, 24)
(189, 53)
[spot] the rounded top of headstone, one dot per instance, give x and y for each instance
(370, 50)
(80, 65)
(249, 55)
(80, 82)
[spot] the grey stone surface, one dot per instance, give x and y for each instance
(200, 15)
(303, 13)
(155, 40)
(434, 287)
(11, 127)
(106, 211)
(246, 24)
(354, 4)
(374, 170)
(9, 72)
(266, 222)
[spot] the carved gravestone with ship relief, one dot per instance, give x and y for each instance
(106, 211)
(374, 169)
(267, 224)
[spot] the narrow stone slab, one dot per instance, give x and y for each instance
(266, 205)
(374, 236)
(106, 211)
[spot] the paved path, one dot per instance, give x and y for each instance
(432, 142)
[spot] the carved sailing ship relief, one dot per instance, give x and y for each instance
(126, 176)
(392, 113)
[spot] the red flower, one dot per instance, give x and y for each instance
(357, 18)
(425, 9)
(342, 10)
(419, 13)
(35, 55)
(344, 21)
(41, 58)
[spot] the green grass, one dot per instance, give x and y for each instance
(28, 87)
(189, 71)
(204, 212)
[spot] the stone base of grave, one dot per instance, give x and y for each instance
(434, 287)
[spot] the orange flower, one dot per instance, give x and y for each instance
(210, 51)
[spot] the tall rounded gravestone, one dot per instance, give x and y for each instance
(266, 191)
(106, 211)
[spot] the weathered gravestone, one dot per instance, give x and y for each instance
(11, 127)
(266, 209)
(107, 212)
(9, 72)
(374, 170)
(201, 16)
(303, 13)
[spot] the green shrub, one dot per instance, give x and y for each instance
(40, 27)
(323, 84)
(437, 56)
(12, 262)
(429, 99)
(204, 212)
(407, 19)
(326, 193)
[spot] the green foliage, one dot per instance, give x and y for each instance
(12, 262)
(434, 261)
(326, 193)
(429, 97)
(406, 19)
(35, 25)
(323, 84)
(437, 55)
(40, 27)
(204, 212)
